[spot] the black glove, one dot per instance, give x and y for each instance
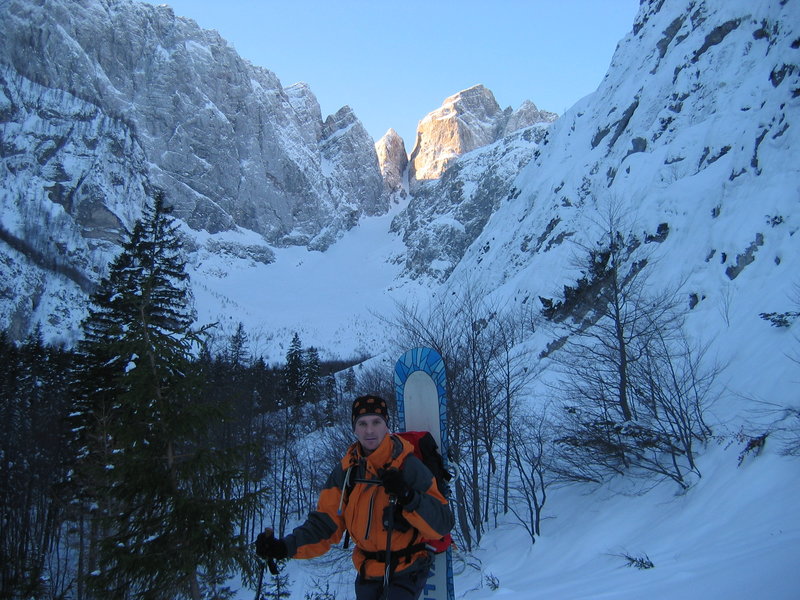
(394, 484)
(268, 546)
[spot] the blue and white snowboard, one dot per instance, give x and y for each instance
(421, 393)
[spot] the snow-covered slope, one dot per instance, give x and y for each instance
(693, 132)
(694, 126)
(734, 535)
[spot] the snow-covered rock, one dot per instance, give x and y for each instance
(445, 216)
(466, 121)
(229, 145)
(393, 159)
(693, 133)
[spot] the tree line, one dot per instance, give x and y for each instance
(143, 462)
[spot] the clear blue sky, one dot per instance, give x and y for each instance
(394, 61)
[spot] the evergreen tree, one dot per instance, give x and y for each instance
(350, 382)
(237, 347)
(332, 399)
(279, 587)
(293, 372)
(146, 456)
(310, 379)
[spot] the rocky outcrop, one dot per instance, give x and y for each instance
(445, 216)
(526, 115)
(357, 188)
(393, 160)
(467, 120)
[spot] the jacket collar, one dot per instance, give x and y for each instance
(389, 453)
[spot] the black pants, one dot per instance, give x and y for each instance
(402, 586)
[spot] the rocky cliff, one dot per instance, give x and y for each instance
(103, 100)
(446, 215)
(689, 141)
(466, 121)
(227, 142)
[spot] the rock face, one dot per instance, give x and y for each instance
(467, 120)
(445, 216)
(393, 159)
(672, 143)
(228, 144)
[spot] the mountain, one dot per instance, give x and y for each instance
(444, 216)
(689, 135)
(691, 130)
(689, 141)
(103, 99)
(466, 121)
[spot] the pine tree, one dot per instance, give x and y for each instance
(293, 372)
(146, 458)
(279, 587)
(350, 382)
(237, 347)
(332, 400)
(310, 376)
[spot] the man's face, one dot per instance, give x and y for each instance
(370, 431)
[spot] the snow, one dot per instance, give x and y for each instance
(749, 547)
(332, 299)
(735, 534)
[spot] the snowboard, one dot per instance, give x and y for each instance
(421, 393)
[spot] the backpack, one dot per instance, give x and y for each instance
(427, 451)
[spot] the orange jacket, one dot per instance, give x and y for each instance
(361, 511)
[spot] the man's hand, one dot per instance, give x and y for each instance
(270, 547)
(394, 484)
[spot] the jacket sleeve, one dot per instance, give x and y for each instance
(324, 527)
(428, 511)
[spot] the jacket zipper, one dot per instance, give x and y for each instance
(369, 517)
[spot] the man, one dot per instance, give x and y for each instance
(388, 501)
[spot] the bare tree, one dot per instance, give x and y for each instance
(633, 390)
(511, 375)
(487, 369)
(535, 471)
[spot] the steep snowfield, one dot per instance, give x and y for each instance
(702, 139)
(734, 535)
